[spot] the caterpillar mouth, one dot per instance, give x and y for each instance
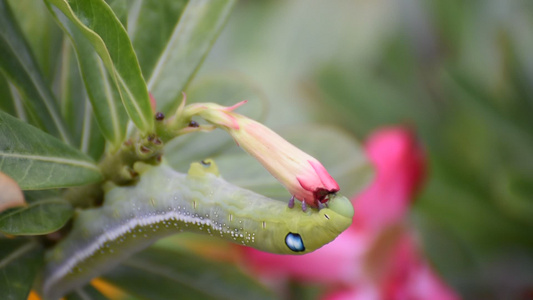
(322, 195)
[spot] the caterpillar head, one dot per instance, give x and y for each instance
(308, 232)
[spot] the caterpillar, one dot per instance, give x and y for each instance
(165, 202)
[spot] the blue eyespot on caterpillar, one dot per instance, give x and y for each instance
(294, 242)
(166, 202)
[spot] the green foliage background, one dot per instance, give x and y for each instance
(460, 73)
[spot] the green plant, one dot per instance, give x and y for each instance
(69, 93)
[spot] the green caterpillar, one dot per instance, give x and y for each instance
(166, 202)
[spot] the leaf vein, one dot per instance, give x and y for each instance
(26, 172)
(17, 253)
(59, 160)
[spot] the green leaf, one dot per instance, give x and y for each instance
(340, 154)
(19, 66)
(144, 17)
(188, 44)
(37, 160)
(97, 22)
(70, 90)
(7, 103)
(37, 195)
(164, 274)
(20, 260)
(121, 9)
(86, 293)
(76, 107)
(43, 35)
(40, 217)
(92, 140)
(19, 110)
(12, 103)
(103, 93)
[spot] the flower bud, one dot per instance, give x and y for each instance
(11, 195)
(303, 175)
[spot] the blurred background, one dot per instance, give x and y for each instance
(459, 73)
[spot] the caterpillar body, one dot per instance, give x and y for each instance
(166, 202)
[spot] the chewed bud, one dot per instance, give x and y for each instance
(303, 175)
(11, 195)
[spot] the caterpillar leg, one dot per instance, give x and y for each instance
(321, 205)
(291, 202)
(304, 206)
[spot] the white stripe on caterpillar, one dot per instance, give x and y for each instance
(70, 263)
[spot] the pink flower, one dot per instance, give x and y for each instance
(377, 257)
(400, 170)
(303, 175)
(406, 275)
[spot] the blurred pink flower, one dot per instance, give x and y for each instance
(377, 257)
(404, 275)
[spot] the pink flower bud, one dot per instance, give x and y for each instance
(303, 175)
